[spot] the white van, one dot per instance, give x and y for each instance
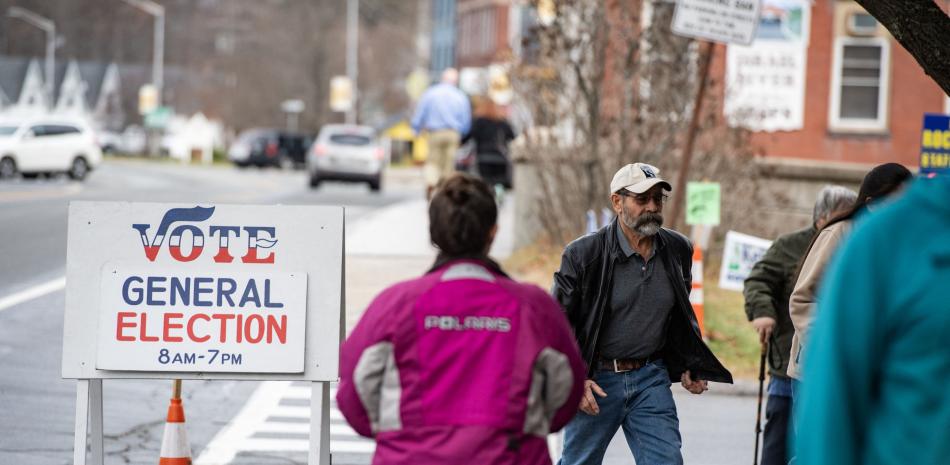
(47, 145)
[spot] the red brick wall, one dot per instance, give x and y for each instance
(499, 52)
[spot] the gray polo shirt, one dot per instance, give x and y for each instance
(641, 300)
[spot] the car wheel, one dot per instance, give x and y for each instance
(79, 169)
(375, 184)
(30, 175)
(314, 181)
(7, 168)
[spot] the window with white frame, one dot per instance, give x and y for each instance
(860, 84)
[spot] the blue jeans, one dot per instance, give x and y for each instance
(641, 402)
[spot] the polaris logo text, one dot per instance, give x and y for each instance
(258, 237)
(469, 323)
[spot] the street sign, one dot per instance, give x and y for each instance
(724, 21)
(703, 203)
(341, 93)
(148, 99)
(417, 83)
(740, 254)
(935, 144)
(207, 291)
(158, 118)
(292, 106)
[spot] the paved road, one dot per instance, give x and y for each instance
(38, 406)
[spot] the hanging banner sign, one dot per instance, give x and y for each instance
(765, 81)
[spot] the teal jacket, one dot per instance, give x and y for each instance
(876, 385)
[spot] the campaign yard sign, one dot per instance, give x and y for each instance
(703, 201)
(935, 144)
(740, 254)
(203, 291)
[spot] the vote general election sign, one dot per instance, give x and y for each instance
(203, 291)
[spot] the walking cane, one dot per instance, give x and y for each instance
(758, 413)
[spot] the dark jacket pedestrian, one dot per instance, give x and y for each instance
(625, 290)
(766, 292)
(491, 135)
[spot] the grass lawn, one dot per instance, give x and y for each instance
(729, 334)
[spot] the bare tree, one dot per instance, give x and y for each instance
(608, 89)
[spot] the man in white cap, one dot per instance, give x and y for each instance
(625, 290)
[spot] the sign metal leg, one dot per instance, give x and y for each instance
(82, 422)
(88, 422)
(95, 421)
(320, 424)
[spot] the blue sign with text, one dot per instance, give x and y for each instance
(935, 144)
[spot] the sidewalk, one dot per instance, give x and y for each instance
(392, 245)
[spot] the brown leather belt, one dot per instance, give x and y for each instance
(621, 365)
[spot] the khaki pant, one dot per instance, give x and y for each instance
(441, 159)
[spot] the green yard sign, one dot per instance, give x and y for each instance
(702, 203)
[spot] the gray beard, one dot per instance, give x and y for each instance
(648, 229)
(647, 224)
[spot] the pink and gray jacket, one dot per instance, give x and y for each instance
(460, 366)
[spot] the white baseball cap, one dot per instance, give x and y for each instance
(638, 178)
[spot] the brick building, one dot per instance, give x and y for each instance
(826, 106)
(864, 95)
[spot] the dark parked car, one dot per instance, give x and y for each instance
(270, 147)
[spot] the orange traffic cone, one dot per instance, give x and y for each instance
(175, 448)
(696, 294)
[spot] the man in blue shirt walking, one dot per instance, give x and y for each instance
(444, 114)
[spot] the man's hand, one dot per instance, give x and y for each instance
(696, 387)
(764, 325)
(589, 402)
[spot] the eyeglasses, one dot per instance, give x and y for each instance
(642, 199)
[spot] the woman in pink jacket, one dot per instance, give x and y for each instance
(462, 365)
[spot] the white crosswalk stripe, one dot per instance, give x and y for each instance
(268, 424)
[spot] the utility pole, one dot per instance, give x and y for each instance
(49, 27)
(352, 65)
(158, 44)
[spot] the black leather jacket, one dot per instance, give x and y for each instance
(583, 286)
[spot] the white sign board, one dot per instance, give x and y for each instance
(203, 291)
(726, 21)
(292, 106)
(341, 93)
(154, 319)
(741, 253)
(765, 82)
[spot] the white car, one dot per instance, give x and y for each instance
(346, 153)
(46, 146)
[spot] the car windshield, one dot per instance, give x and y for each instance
(350, 139)
(6, 131)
